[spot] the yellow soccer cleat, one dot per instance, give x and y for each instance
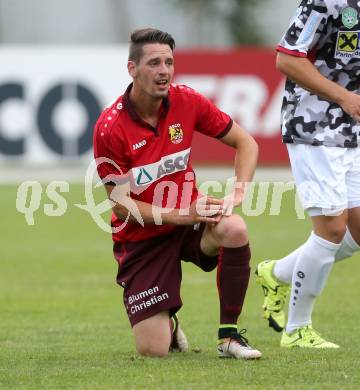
(275, 294)
(305, 337)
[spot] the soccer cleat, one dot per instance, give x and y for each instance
(236, 346)
(179, 341)
(275, 294)
(305, 337)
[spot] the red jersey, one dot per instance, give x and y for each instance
(156, 161)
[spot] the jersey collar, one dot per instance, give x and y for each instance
(164, 109)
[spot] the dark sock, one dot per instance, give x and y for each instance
(233, 275)
(226, 332)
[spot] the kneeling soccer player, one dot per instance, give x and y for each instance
(142, 144)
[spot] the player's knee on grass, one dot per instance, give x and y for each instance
(232, 232)
(153, 335)
(152, 349)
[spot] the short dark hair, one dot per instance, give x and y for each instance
(139, 38)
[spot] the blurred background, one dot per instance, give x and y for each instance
(63, 61)
(209, 23)
(62, 323)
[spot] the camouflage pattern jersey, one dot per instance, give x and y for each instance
(327, 32)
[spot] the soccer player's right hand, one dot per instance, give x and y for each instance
(350, 103)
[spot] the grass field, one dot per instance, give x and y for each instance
(63, 326)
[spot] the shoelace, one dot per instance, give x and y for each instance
(238, 337)
(282, 292)
(310, 334)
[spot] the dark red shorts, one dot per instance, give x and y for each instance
(150, 270)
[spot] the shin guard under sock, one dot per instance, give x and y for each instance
(232, 281)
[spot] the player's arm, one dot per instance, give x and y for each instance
(205, 209)
(245, 160)
(305, 74)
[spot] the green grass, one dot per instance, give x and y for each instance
(63, 325)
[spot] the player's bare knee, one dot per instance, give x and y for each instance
(331, 228)
(232, 231)
(152, 350)
(335, 232)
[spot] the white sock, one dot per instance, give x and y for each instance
(311, 272)
(348, 247)
(284, 268)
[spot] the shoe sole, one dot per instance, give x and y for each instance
(226, 355)
(230, 357)
(273, 324)
(306, 347)
(242, 358)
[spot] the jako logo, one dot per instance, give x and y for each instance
(139, 145)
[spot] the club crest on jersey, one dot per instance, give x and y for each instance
(349, 17)
(176, 133)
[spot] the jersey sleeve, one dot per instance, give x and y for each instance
(109, 154)
(305, 28)
(211, 120)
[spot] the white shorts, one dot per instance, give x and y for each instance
(327, 178)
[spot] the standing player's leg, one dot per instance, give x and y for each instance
(351, 242)
(275, 276)
(353, 189)
(310, 274)
(321, 177)
(283, 268)
(229, 239)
